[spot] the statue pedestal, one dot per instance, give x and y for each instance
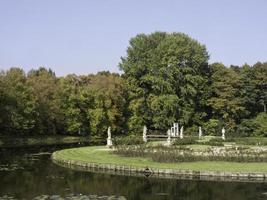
(169, 141)
(145, 139)
(223, 136)
(109, 142)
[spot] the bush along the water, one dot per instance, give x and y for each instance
(185, 154)
(127, 140)
(185, 141)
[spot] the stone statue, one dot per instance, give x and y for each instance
(199, 132)
(181, 133)
(223, 133)
(144, 134)
(176, 129)
(109, 140)
(172, 132)
(109, 132)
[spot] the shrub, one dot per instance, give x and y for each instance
(181, 154)
(261, 125)
(193, 130)
(254, 127)
(214, 143)
(185, 141)
(128, 140)
(245, 128)
(211, 127)
(251, 141)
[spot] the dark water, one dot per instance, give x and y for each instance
(30, 174)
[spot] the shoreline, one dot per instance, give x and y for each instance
(142, 169)
(15, 142)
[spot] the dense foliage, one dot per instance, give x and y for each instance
(39, 103)
(166, 78)
(169, 80)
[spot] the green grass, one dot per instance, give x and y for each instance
(102, 155)
(198, 146)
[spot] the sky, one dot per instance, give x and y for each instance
(87, 36)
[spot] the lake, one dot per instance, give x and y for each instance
(28, 173)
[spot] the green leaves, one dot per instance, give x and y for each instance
(225, 101)
(165, 72)
(166, 78)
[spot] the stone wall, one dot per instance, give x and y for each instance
(161, 173)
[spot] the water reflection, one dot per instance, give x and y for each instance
(30, 174)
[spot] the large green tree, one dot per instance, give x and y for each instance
(166, 74)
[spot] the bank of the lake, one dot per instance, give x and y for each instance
(101, 157)
(13, 142)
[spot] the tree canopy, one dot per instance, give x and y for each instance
(165, 78)
(165, 73)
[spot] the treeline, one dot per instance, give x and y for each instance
(166, 78)
(170, 80)
(39, 103)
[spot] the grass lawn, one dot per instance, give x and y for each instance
(101, 154)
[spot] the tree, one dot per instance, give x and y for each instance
(43, 84)
(161, 67)
(17, 112)
(260, 83)
(74, 102)
(254, 88)
(93, 103)
(110, 104)
(225, 100)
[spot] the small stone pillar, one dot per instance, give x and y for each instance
(172, 131)
(223, 133)
(109, 140)
(144, 134)
(182, 133)
(176, 129)
(169, 138)
(199, 132)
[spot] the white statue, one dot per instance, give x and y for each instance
(176, 129)
(144, 134)
(223, 133)
(109, 140)
(181, 132)
(172, 132)
(199, 132)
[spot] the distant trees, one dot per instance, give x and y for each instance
(17, 103)
(39, 103)
(225, 99)
(92, 103)
(166, 78)
(238, 98)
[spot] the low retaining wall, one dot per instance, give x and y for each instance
(161, 173)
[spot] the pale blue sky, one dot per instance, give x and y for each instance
(86, 36)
